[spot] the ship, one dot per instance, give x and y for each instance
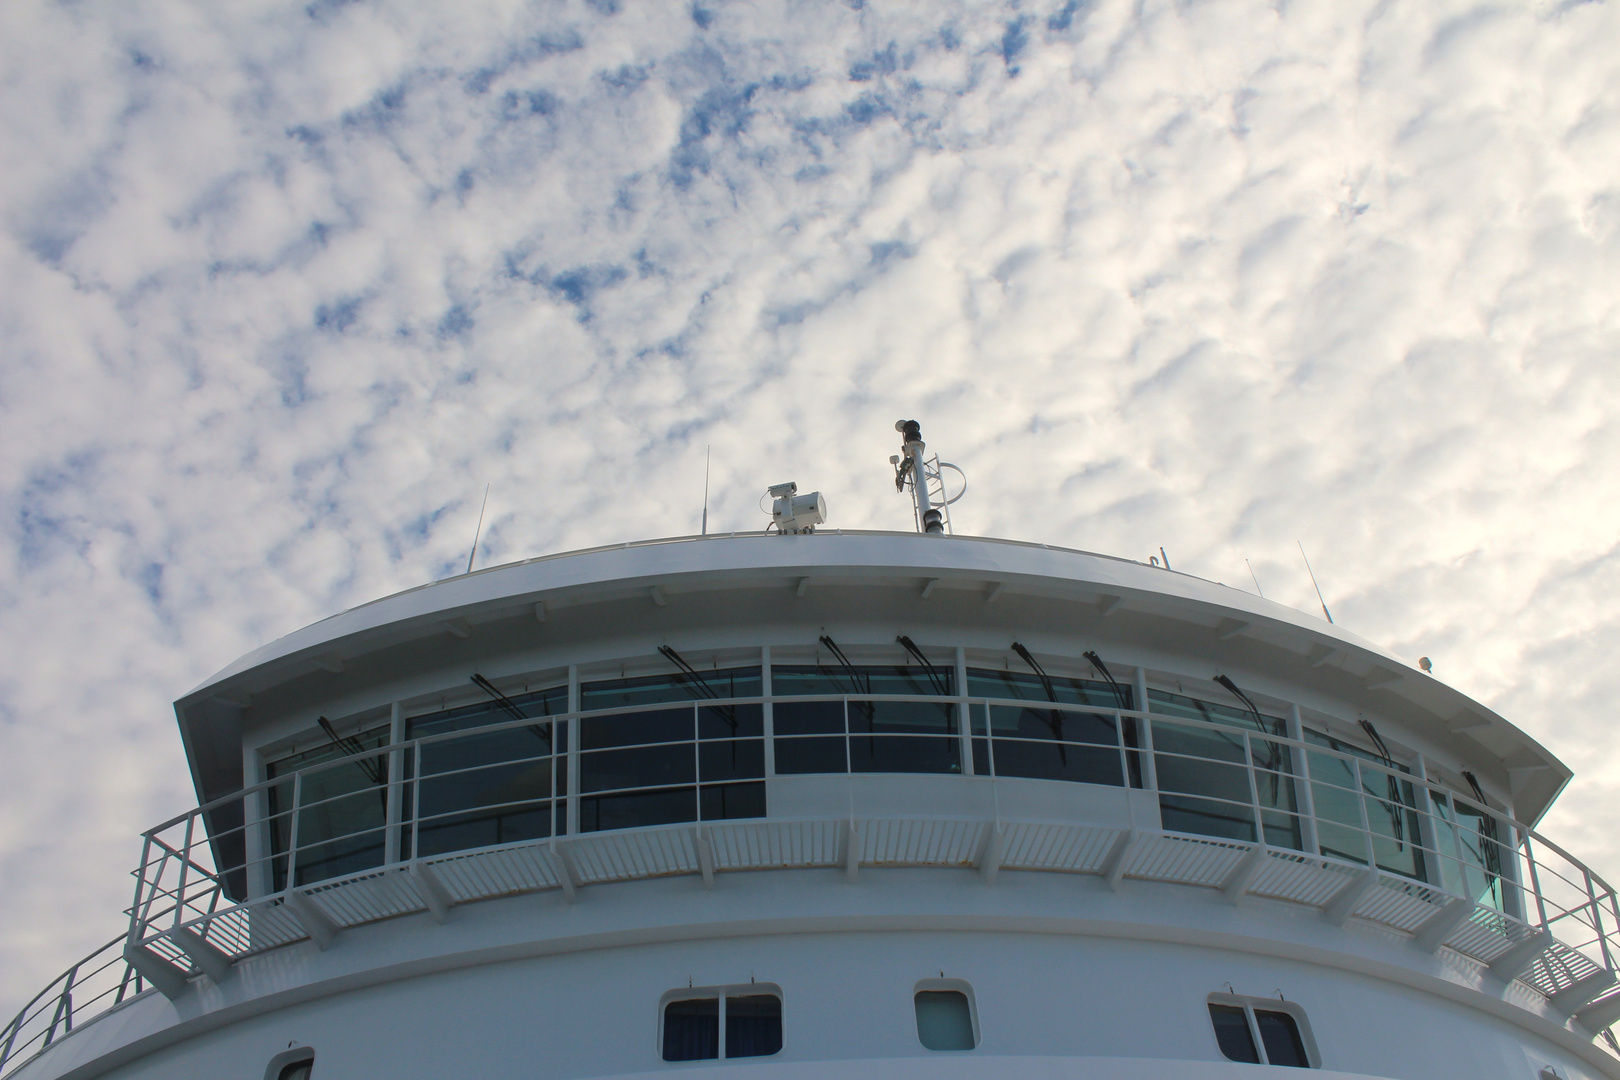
(896, 804)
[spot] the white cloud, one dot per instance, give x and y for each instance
(281, 290)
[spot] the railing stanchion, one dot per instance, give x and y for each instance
(1597, 920)
(185, 868)
(1302, 783)
(292, 832)
(1254, 789)
(1366, 822)
(1535, 880)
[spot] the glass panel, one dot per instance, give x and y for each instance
(637, 809)
(1393, 818)
(1027, 686)
(730, 721)
(725, 801)
(1232, 1033)
(808, 717)
(732, 759)
(1462, 831)
(944, 1020)
(342, 814)
(753, 1025)
(548, 702)
(652, 689)
(789, 680)
(492, 788)
(298, 1070)
(636, 729)
(640, 767)
(885, 736)
(692, 1030)
(1188, 708)
(1280, 1036)
(811, 755)
(1206, 817)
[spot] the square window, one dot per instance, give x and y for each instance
(945, 1015)
(722, 1022)
(1261, 1031)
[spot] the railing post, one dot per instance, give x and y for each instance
(573, 750)
(396, 768)
(137, 917)
(1366, 822)
(1302, 783)
(185, 867)
(1535, 880)
(292, 831)
(1597, 919)
(767, 713)
(1254, 790)
(964, 715)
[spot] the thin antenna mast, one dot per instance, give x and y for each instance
(1257, 587)
(478, 531)
(1314, 585)
(706, 450)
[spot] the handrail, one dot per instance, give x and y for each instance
(231, 883)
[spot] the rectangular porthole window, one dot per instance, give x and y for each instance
(721, 1022)
(945, 1015)
(1261, 1031)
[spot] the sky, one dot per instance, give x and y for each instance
(283, 288)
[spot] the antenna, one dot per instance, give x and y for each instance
(706, 450)
(479, 530)
(1257, 587)
(924, 476)
(1314, 585)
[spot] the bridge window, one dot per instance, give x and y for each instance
(722, 1023)
(1204, 772)
(1260, 1031)
(657, 766)
(851, 731)
(342, 809)
(945, 1019)
(1056, 741)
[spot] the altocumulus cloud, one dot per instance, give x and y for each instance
(282, 288)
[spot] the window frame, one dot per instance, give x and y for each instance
(287, 1059)
(704, 993)
(948, 986)
(1294, 1011)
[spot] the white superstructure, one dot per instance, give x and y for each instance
(892, 804)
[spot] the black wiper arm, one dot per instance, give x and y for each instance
(371, 766)
(695, 678)
(1055, 720)
(511, 706)
(1102, 669)
(934, 677)
(849, 668)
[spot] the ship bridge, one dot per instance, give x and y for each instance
(872, 798)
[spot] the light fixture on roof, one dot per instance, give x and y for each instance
(1425, 663)
(923, 476)
(795, 513)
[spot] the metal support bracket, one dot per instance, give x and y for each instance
(1600, 1014)
(320, 927)
(705, 854)
(1518, 958)
(207, 957)
(1349, 897)
(155, 970)
(1236, 885)
(991, 853)
(1433, 931)
(434, 894)
(567, 873)
(1570, 999)
(1119, 858)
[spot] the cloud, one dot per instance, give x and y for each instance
(282, 288)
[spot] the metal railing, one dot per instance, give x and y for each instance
(543, 803)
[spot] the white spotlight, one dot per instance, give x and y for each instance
(794, 513)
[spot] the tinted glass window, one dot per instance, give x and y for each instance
(692, 1029)
(1280, 1036)
(753, 1025)
(548, 702)
(652, 689)
(492, 787)
(788, 680)
(298, 1070)
(1232, 1033)
(342, 810)
(944, 1020)
(986, 682)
